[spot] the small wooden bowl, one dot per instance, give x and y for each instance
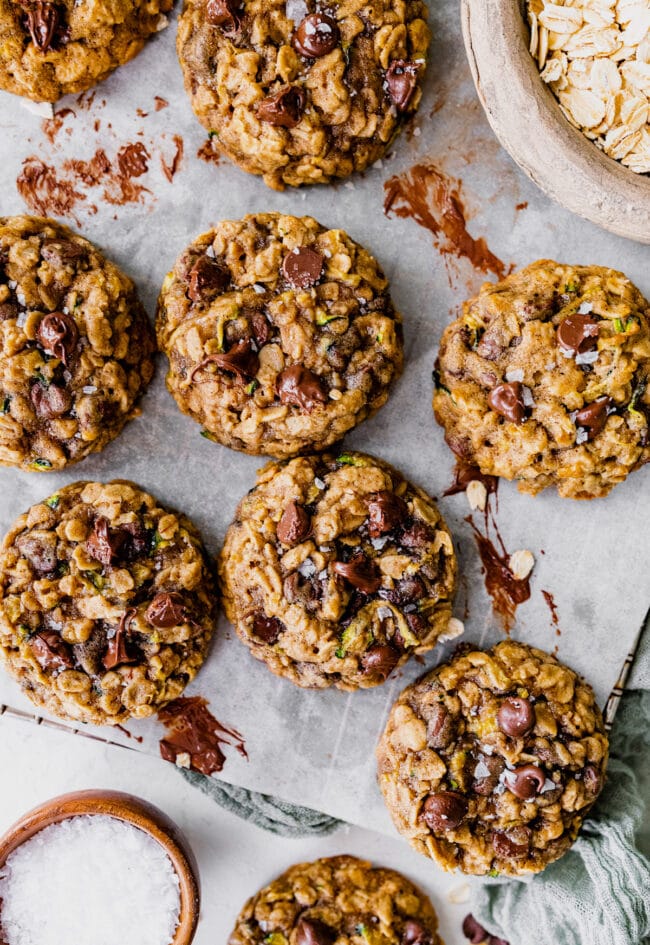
(134, 811)
(527, 119)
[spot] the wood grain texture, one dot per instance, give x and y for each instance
(529, 123)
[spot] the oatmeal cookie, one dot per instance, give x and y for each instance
(336, 570)
(281, 335)
(340, 899)
(48, 50)
(544, 379)
(490, 762)
(107, 603)
(76, 346)
(303, 91)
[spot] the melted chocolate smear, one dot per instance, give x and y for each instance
(52, 126)
(552, 606)
(125, 731)
(464, 474)
(434, 201)
(192, 729)
(170, 169)
(506, 590)
(208, 153)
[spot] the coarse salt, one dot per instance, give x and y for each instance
(91, 880)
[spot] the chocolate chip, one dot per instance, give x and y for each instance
(360, 572)
(50, 651)
(43, 22)
(317, 35)
(58, 334)
(414, 933)
(267, 629)
(489, 769)
(401, 81)
(302, 267)
(207, 279)
(444, 811)
(136, 540)
(224, 13)
(473, 930)
(261, 328)
(89, 655)
(40, 551)
(294, 526)
(508, 401)
(516, 716)
(62, 252)
(117, 651)
(283, 108)
(380, 661)
(300, 387)
(8, 310)
(417, 536)
(385, 511)
(593, 417)
(50, 402)
(314, 932)
(441, 727)
(166, 610)
(592, 780)
(241, 361)
(512, 844)
(525, 781)
(578, 333)
(105, 544)
(298, 591)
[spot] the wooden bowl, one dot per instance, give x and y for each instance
(528, 121)
(134, 811)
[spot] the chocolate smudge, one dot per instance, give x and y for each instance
(169, 170)
(52, 126)
(45, 193)
(506, 590)
(193, 730)
(208, 153)
(464, 473)
(552, 606)
(125, 731)
(160, 103)
(431, 198)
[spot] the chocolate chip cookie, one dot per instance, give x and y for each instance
(490, 762)
(107, 603)
(544, 379)
(336, 570)
(76, 346)
(281, 335)
(304, 91)
(51, 49)
(340, 899)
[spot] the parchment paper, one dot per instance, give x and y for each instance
(316, 748)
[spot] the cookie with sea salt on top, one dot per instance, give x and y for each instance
(490, 762)
(107, 603)
(76, 346)
(303, 92)
(544, 379)
(281, 334)
(337, 899)
(336, 570)
(48, 50)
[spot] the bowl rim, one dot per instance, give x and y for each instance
(129, 809)
(529, 123)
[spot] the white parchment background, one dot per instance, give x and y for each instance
(316, 748)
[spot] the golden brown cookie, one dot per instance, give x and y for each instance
(544, 379)
(339, 899)
(336, 570)
(281, 335)
(76, 346)
(48, 50)
(490, 762)
(107, 603)
(303, 92)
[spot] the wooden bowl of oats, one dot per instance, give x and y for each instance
(592, 88)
